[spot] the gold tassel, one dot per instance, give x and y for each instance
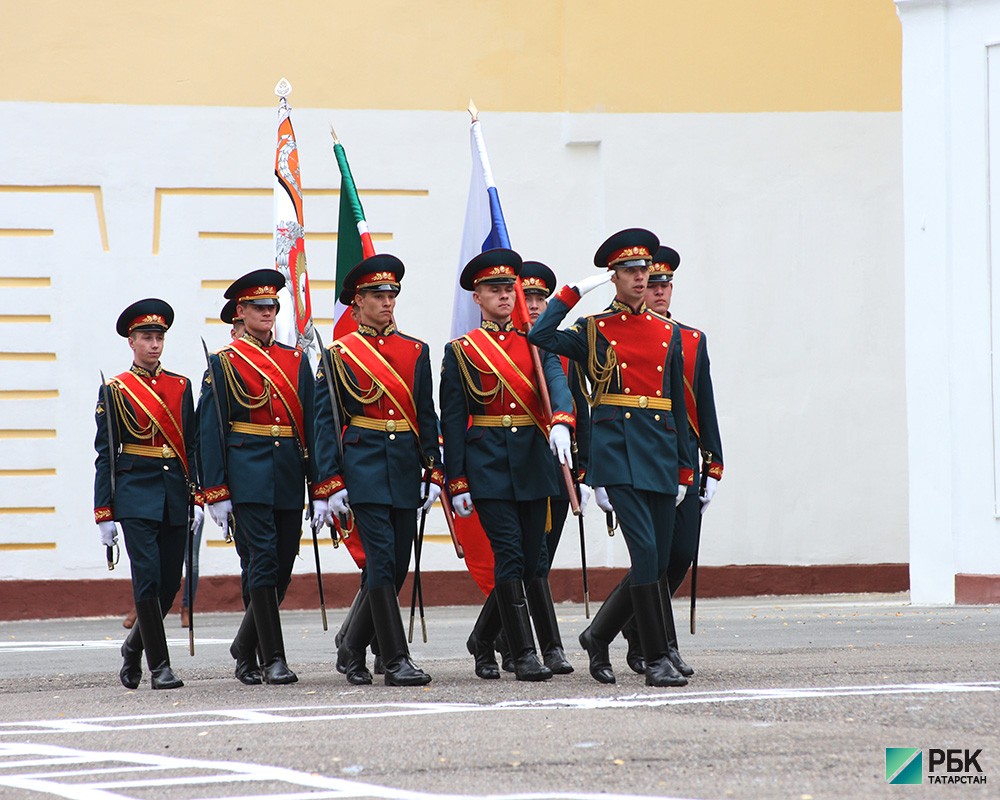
(548, 515)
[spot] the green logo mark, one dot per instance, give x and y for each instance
(904, 765)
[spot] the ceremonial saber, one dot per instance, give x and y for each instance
(338, 429)
(222, 433)
(583, 535)
(319, 576)
(109, 550)
(703, 483)
(190, 567)
(418, 547)
(449, 519)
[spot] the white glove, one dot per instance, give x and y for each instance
(585, 285)
(320, 512)
(219, 512)
(462, 504)
(711, 484)
(560, 444)
(199, 518)
(339, 503)
(585, 494)
(601, 498)
(109, 533)
(682, 491)
(429, 498)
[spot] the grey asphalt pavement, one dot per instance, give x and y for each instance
(793, 697)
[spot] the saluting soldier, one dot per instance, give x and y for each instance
(265, 418)
(146, 481)
(501, 461)
(703, 422)
(640, 460)
(391, 461)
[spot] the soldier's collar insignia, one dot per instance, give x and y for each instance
(259, 342)
(489, 325)
(618, 305)
(368, 330)
(142, 372)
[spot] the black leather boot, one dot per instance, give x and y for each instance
(660, 671)
(354, 645)
(244, 650)
(604, 627)
(399, 669)
(546, 626)
(500, 646)
(350, 616)
(517, 627)
(634, 657)
(154, 640)
(274, 668)
(131, 671)
(671, 630)
(480, 643)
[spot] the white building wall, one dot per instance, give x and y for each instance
(951, 319)
(788, 226)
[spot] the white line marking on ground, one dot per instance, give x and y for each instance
(89, 644)
(326, 713)
(222, 772)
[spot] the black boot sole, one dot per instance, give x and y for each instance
(601, 673)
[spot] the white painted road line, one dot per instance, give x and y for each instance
(92, 644)
(300, 714)
(220, 773)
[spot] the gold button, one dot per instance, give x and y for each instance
(624, 365)
(391, 411)
(624, 317)
(514, 429)
(166, 451)
(614, 341)
(506, 420)
(381, 341)
(277, 444)
(643, 401)
(601, 324)
(501, 337)
(513, 405)
(695, 335)
(628, 391)
(628, 415)
(649, 318)
(275, 430)
(664, 344)
(392, 436)
(166, 467)
(659, 368)
(657, 417)
(659, 393)
(390, 425)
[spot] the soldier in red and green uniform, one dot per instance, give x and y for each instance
(641, 457)
(265, 392)
(152, 423)
(703, 422)
(391, 466)
(497, 441)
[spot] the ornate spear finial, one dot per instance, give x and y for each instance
(473, 111)
(333, 133)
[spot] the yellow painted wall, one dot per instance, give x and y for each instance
(510, 55)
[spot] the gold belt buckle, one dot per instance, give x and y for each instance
(390, 425)
(643, 401)
(506, 420)
(275, 430)
(166, 451)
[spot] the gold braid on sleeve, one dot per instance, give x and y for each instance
(600, 375)
(477, 394)
(238, 392)
(351, 386)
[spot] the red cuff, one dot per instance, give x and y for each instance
(581, 476)
(686, 476)
(103, 514)
(437, 476)
(564, 418)
(568, 295)
(715, 470)
(458, 486)
(330, 486)
(199, 498)
(216, 494)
